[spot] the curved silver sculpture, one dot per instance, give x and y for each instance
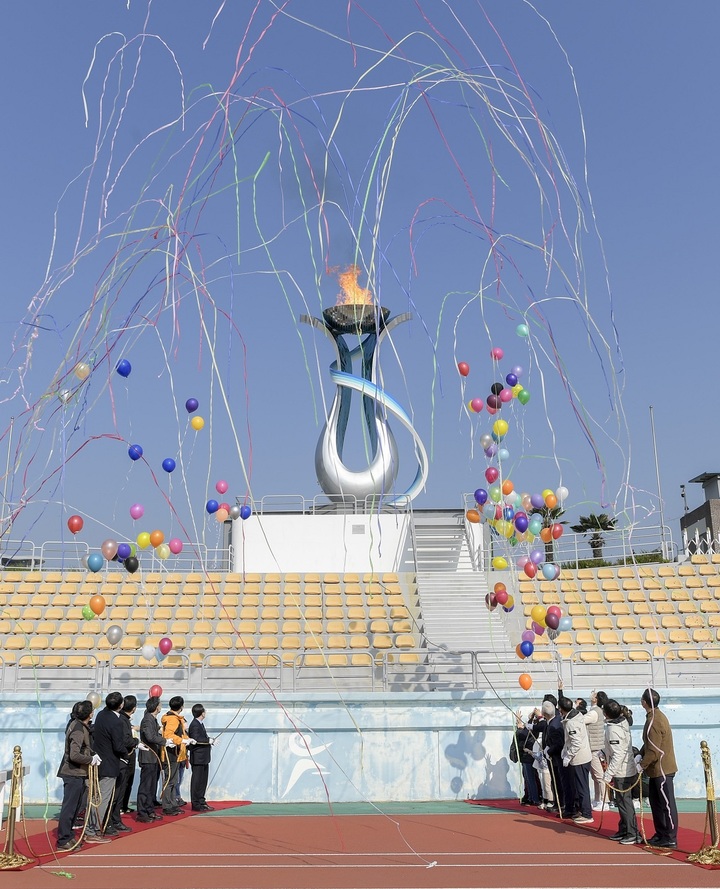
(378, 479)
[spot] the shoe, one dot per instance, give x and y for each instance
(181, 802)
(173, 812)
(666, 844)
(123, 828)
(156, 817)
(207, 808)
(96, 838)
(636, 804)
(630, 841)
(72, 846)
(581, 819)
(597, 807)
(612, 804)
(127, 811)
(143, 819)
(654, 840)
(111, 832)
(617, 836)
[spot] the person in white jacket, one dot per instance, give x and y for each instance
(576, 756)
(621, 771)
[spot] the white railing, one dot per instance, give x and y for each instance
(701, 544)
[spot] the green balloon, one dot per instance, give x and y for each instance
(523, 396)
(522, 330)
(88, 613)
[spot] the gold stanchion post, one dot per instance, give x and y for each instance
(708, 854)
(10, 859)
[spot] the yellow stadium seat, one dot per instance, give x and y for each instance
(710, 653)
(655, 636)
(405, 641)
(702, 636)
(638, 654)
(603, 623)
(670, 622)
(382, 642)
(268, 628)
(686, 571)
(693, 621)
(268, 643)
(337, 642)
(379, 625)
(291, 627)
(359, 642)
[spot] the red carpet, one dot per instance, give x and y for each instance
(40, 845)
(690, 840)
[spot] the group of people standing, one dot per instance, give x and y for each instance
(565, 746)
(98, 766)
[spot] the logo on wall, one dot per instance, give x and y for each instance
(300, 746)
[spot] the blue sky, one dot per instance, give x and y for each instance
(180, 229)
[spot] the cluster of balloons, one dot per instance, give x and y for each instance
(500, 596)
(501, 393)
(191, 405)
(223, 511)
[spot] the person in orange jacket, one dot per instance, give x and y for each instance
(173, 726)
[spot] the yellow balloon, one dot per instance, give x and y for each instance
(500, 427)
(547, 492)
(197, 423)
(499, 563)
(510, 603)
(538, 615)
(82, 371)
(143, 540)
(516, 389)
(162, 551)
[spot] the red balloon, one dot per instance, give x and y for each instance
(491, 474)
(530, 569)
(165, 645)
(501, 597)
(75, 523)
(463, 368)
(155, 691)
(554, 609)
(556, 531)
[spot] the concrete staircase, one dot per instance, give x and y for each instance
(451, 592)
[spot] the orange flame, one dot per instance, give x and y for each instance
(352, 293)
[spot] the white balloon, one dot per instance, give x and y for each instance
(148, 651)
(114, 634)
(64, 395)
(562, 493)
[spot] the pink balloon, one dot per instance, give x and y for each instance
(165, 645)
(225, 506)
(528, 636)
(497, 353)
(221, 487)
(477, 405)
(175, 546)
(137, 510)
(491, 474)
(537, 628)
(505, 395)
(491, 410)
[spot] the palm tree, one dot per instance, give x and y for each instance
(551, 516)
(593, 525)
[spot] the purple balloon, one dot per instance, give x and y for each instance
(517, 371)
(528, 636)
(481, 496)
(191, 405)
(494, 402)
(552, 620)
(491, 451)
(537, 555)
(521, 522)
(511, 380)
(123, 551)
(537, 628)
(537, 501)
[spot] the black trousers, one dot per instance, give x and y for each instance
(120, 786)
(626, 810)
(581, 781)
(198, 786)
(129, 785)
(73, 793)
(149, 774)
(663, 807)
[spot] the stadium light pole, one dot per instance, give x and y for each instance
(657, 476)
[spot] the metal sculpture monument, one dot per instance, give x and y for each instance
(356, 315)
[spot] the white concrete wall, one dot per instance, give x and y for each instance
(322, 543)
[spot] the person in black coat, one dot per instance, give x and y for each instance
(199, 760)
(127, 766)
(110, 746)
(524, 740)
(151, 754)
(554, 741)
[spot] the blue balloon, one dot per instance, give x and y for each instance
(527, 648)
(212, 506)
(511, 380)
(124, 367)
(521, 522)
(503, 454)
(123, 551)
(95, 562)
(191, 405)
(245, 512)
(565, 623)
(481, 496)
(168, 464)
(135, 452)
(508, 513)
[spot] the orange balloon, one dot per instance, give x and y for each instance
(525, 681)
(551, 501)
(97, 604)
(499, 586)
(472, 515)
(507, 486)
(156, 538)
(546, 535)
(519, 653)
